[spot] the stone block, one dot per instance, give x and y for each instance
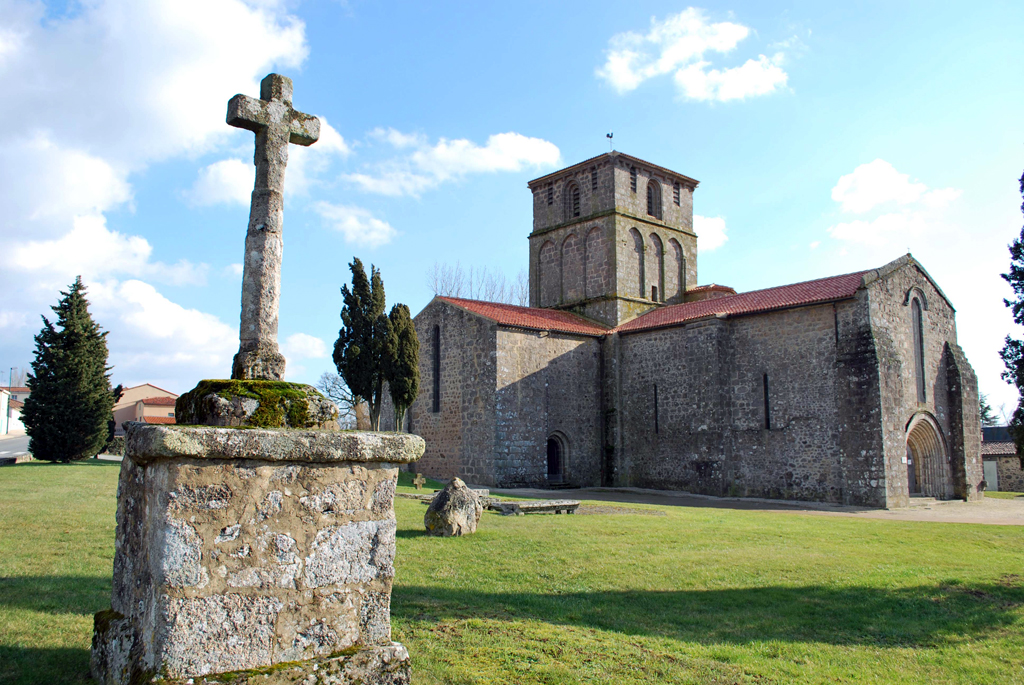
(245, 549)
(256, 403)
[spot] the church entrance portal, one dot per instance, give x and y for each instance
(927, 465)
(554, 461)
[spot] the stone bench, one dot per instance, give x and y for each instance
(558, 506)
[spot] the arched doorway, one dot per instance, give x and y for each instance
(927, 464)
(555, 460)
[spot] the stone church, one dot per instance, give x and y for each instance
(625, 372)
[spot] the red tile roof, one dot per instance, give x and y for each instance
(754, 302)
(17, 404)
(158, 419)
(530, 317)
(998, 448)
(16, 390)
(159, 401)
(712, 286)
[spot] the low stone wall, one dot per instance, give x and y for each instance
(241, 549)
(1011, 476)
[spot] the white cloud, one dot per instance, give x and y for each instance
(878, 184)
(873, 184)
(680, 45)
(229, 181)
(152, 336)
(113, 88)
(233, 269)
(430, 165)
(710, 232)
(358, 225)
(92, 250)
(304, 346)
(755, 77)
(397, 138)
(305, 164)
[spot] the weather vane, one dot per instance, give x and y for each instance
(611, 144)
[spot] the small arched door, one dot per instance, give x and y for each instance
(928, 471)
(554, 461)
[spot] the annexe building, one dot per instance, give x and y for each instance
(846, 389)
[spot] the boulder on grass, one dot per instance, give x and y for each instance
(454, 511)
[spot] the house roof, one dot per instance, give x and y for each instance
(531, 318)
(159, 401)
(157, 387)
(17, 404)
(614, 154)
(19, 389)
(753, 302)
(711, 287)
(998, 448)
(158, 419)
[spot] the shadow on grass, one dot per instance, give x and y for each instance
(918, 616)
(39, 463)
(56, 594)
(35, 666)
(410, 533)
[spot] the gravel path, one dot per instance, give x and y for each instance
(992, 511)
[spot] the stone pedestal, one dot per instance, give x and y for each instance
(242, 549)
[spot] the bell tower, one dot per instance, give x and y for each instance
(612, 238)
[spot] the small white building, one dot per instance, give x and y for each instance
(10, 414)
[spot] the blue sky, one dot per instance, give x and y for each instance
(827, 138)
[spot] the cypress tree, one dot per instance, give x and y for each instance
(363, 348)
(404, 370)
(66, 415)
(1013, 350)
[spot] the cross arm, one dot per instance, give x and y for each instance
(304, 130)
(248, 113)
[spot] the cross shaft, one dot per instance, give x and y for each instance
(276, 124)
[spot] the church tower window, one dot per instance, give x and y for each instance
(593, 179)
(654, 198)
(632, 178)
(436, 390)
(551, 194)
(572, 201)
(676, 192)
(915, 309)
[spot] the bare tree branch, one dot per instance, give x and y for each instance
(478, 284)
(333, 387)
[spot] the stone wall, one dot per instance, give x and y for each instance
(239, 549)
(951, 394)
(459, 437)
(1011, 476)
(547, 384)
(710, 433)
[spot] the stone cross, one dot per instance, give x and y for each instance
(418, 481)
(275, 124)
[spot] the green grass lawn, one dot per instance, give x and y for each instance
(694, 596)
(1005, 495)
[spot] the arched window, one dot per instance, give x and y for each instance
(658, 277)
(654, 198)
(572, 201)
(918, 326)
(638, 250)
(436, 368)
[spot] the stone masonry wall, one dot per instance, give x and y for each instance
(547, 384)
(224, 563)
(1010, 474)
(945, 369)
(460, 437)
(711, 434)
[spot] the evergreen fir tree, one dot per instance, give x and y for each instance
(403, 373)
(66, 415)
(1013, 351)
(363, 348)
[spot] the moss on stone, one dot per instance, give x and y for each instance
(280, 404)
